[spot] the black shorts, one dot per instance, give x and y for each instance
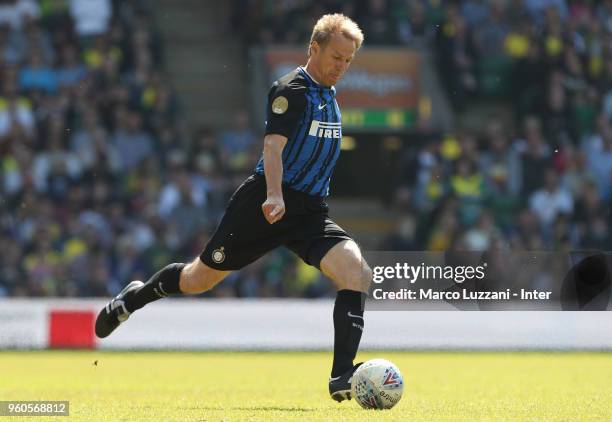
(244, 235)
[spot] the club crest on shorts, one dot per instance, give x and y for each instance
(218, 256)
(280, 105)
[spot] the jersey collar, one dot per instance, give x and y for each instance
(309, 76)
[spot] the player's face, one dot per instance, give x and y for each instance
(333, 59)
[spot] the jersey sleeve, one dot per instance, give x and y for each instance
(286, 105)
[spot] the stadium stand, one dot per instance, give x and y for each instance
(101, 181)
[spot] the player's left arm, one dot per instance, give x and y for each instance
(274, 206)
(286, 104)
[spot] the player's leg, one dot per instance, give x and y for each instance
(173, 279)
(243, 235)
(325, 245)
(347, 268)
(198, 277)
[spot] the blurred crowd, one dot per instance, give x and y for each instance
(101, 181)
(543, 180)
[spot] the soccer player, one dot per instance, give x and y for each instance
(282, 203)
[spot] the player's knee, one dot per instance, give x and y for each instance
(345, 265)
(366, 278)
(362, 278)
(356, 276)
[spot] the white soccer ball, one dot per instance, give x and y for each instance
(377, 384)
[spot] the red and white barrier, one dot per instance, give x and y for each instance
(291, 324)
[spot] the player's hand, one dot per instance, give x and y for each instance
(273, 209)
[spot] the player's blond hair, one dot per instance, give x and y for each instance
(336, 23)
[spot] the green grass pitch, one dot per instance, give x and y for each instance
(235, 386)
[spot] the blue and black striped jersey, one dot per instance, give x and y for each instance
(307, 114)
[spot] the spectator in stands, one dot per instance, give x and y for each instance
(412, 26)
(538, 8)
(38, 75)
(457, 56)
(12, 272)
(16, 114)
(528, 75)
(467, 185)
(34, 39)
(444, 232)
(491, 27)
(558, 117)
(71, 71)
(576, 173)
(500, 160)
(11, 45)
(535, 156)
(183, 190)
(481, 236)
(91, 17)
(599, 157)
(376, 23)
(15, 12)
(131, 142)
(551, 200)
(54, 167)
(236, 144)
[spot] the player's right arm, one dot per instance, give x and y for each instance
(274, 206)
(286, 104)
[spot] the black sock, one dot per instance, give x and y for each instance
(347, 329)
(165, 282)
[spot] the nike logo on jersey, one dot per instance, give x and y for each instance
(322, 106)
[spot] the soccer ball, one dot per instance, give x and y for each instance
(377, 384)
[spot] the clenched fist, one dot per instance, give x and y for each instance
(273, 209)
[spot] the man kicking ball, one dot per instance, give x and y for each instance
(282, 203)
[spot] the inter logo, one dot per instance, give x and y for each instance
(325, 129)
(218, 256)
